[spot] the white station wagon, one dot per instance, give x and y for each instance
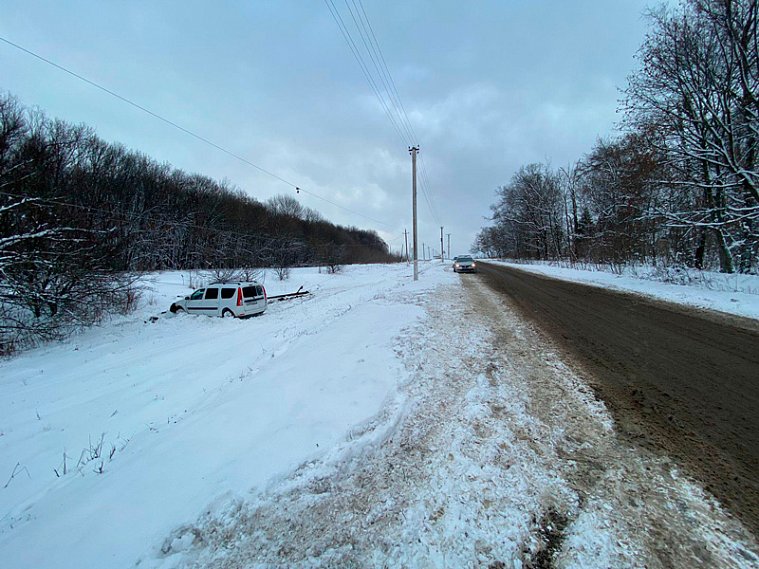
(234, 300)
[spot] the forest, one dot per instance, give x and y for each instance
(81, 218)
(680, 185)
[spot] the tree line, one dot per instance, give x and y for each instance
(80, 217)
(680, 185)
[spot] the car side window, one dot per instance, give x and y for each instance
(259, 291)
(228, 292)
(198, 294)
(212, 293)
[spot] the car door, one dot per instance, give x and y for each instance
(210, 303)
(195, 301)
(204, 301)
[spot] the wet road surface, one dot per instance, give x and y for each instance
(681, 380)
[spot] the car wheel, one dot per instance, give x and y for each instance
(174, 309)
(227, 313)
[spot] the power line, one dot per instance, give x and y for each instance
(427, 190)
(400, 123)
(372, 47)
(372, 50)
(359, 59)
(394, 88)
(186, 131)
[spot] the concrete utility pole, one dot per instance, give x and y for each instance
(405, 236)
(442, 251)
(424, 251)
(449, 245)
(413, 150)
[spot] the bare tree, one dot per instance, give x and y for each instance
(286, 206)
(696, 92)
(529, 214)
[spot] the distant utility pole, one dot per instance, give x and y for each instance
(413, 150)
(405, 236)
(424, 251)
(449, 245)
(442, 251)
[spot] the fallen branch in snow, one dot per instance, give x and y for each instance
(16, 470)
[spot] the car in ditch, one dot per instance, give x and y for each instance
(464, 264)
(228, 300)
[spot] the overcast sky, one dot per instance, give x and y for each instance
(488, 86)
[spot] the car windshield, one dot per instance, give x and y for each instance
(465, 259)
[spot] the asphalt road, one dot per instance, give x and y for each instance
(678, 380)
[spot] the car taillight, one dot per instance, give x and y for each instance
(239, 296)
(265, 297)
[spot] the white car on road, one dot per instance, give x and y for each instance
(464, 264)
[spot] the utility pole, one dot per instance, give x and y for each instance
(442, 251)
(424, 251)
(413, 150)
(449, 245)
(405, 236)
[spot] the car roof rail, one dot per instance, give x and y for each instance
(237, 283)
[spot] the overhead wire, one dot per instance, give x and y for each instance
(360, 60)
(426, 190)
(371, 49)
(394, 88)
(187, 131)
(391, 97)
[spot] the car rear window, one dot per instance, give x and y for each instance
(249, 291)
(228, 292)
(212, 293)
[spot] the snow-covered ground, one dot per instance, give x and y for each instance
(378, 422)
(110, 439)
(733, 294)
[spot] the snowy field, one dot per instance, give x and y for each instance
(378, 422)
(110, 439)
(733, 294)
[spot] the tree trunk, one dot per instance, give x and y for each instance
(726, 262)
